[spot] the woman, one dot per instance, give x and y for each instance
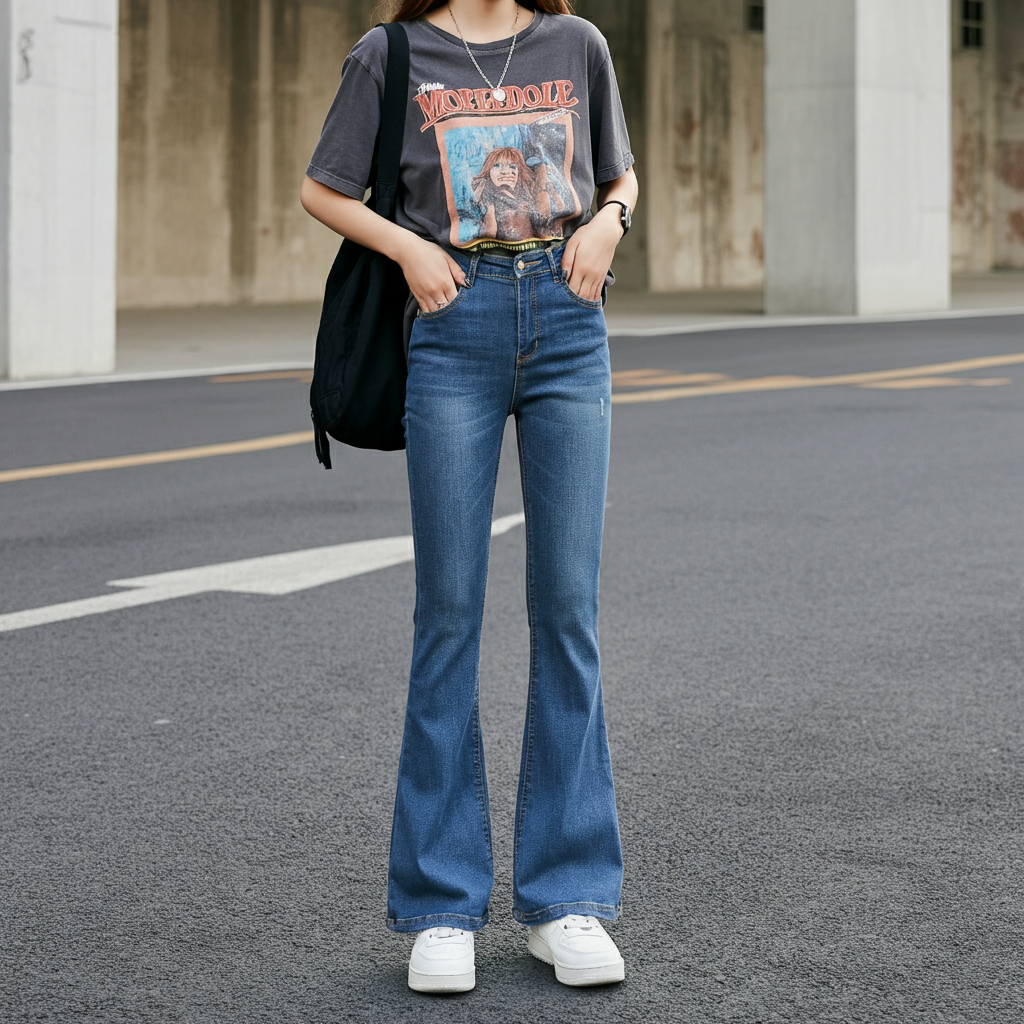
(503, 328)
(505, 190)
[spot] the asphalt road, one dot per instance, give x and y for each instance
(813, 668)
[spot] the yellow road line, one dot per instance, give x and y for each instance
(732, 387)
(652, 378)
(725, 387)
(908, 383)
(256, 444)
(306, 376)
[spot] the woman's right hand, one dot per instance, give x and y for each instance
(434, 278)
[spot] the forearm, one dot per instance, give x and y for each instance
(353, 219)
(624, 189)
(589, 252)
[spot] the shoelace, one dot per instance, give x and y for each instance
(447, 933)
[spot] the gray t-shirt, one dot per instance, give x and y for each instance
(477, 170)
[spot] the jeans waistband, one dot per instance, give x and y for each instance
(542, 260)
(512, 251)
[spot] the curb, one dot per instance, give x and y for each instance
(125, 378)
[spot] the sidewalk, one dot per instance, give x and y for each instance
(186, 342)
(270, 336)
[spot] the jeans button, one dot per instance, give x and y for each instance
(521, 265)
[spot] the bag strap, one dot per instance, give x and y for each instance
(392, 121)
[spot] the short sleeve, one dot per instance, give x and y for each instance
(343, 157)
(609, 138)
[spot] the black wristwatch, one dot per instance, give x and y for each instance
(625, 219)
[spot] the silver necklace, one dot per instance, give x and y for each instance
(496, 90)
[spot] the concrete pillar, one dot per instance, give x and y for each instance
(857, 160)
(58, 186)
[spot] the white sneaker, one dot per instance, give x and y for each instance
(580, 949)
(442, 961)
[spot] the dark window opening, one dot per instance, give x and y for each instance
(755, 17)
(972, 19)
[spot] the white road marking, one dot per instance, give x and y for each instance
(269, 574)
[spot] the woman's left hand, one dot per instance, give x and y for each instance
(589, 252)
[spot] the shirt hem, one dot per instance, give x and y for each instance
(617, 170)
(485, 244)
(346, 188)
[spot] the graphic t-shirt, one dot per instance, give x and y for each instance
(477, 169)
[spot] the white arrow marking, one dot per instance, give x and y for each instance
(269, 574)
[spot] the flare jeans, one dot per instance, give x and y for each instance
(514, 341)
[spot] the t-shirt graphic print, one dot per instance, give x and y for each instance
(506, 165)
(478, 171)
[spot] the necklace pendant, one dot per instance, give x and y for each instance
(499, 95)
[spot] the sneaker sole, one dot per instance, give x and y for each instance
(442, 982)
(605, 974)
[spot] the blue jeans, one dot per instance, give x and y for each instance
(515, 341)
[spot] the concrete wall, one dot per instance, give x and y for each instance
(222, 101)
(705, 144)
(988, 142)
(221, 105)
(624, 23)
(1009, 155)
(974, 129)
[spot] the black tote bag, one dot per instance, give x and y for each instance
(358, 390)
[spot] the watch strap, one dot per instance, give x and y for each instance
(624, 217)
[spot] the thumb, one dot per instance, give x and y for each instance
(458, 274)
(569, 257)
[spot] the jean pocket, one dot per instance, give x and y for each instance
(578, 299)
(445, 309)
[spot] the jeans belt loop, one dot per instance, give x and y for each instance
(474, 262)
(556, 270)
